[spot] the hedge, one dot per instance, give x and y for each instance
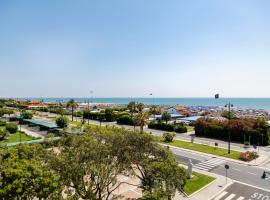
(255, 130)
(168, 127)
(125, 120)
(161, 126)
(180, 129)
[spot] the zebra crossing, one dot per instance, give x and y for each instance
(228, 196)
(209, 164)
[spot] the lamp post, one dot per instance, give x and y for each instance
(229, 105)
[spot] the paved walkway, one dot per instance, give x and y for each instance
(210, 190)
(31, 133)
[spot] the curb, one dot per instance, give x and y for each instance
(224, 188)
(209, 184)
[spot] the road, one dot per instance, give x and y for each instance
(239, 172)
(238, 191)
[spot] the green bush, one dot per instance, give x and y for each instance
(161, 126)
(5, 111)
(62, 121)
(125, 120)
(92, 115)
(180, 129)
(3, 133)
(13, 119)
(12, 128)
(168, 137)
(109, 115)
(2, 123)
(26, 115)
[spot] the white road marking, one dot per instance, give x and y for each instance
(221, 195)
(251, 173)
(236, 169)
(230, 197)
(241, 198)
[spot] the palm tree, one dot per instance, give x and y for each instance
(141, 119)
(139, 107)
(155, 110)
(166, 116)
(72, 104)
(132, 107)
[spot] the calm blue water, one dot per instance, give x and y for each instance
(256, 103)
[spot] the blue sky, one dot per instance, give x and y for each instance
(130, 48)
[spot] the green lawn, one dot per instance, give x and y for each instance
(76, 123)
(206, 149)
(197, 182)
(190, 128)
(16, 138)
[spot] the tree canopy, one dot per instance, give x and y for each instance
(88, 166)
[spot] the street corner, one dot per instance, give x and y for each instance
(240, 191)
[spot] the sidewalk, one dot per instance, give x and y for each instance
(31, 133)
(210, 190)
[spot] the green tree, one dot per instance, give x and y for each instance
(154, 165)
(91, 163)
(141, 119)
(132, 107)
(166, 116)
(27, 115)
(73, 105)
(25, 175)
(62, 121)
(109, 115)
(140, 107)
(155, 110)
(12, 128)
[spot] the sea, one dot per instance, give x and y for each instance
(242, 103)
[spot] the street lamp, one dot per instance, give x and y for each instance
(229, 105)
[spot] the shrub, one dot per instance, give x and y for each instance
(246, 143)
(248, 156)
(161, 126)
(180, 129)
(91, 115)
(109, 115)
(26, 115)
(12, 128)
(13, 119)
(125, 120)
(3, 133)
(2, 123)
(62, 121)
(168, 137)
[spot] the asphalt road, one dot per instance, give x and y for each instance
(238, 191)
(239, 172)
